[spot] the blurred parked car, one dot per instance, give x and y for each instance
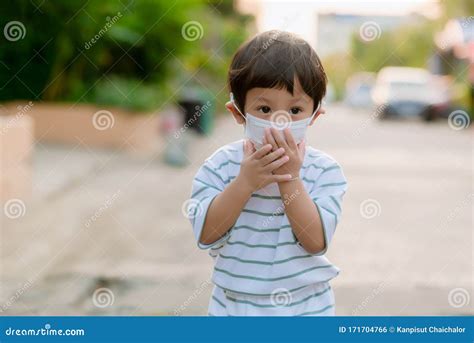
(358, 90)
(409, 93)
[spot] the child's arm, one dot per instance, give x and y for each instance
(255, 172)
(312, 231)
(303, 216)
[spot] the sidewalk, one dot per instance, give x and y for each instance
(100, 219)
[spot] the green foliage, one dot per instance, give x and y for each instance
(456, 8)
(408, 46)
(131, 94)
(338, 68)
(128, 53)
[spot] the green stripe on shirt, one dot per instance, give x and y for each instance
(312, 165)
(207, 184)
(263, 262)
(214, 173)
(265, 214)
(266, 294)
(218, 301)
(256, 229)
(269, 246)
(226, 163)
(199, 191)
(318, 294)
(266, 197)
(331, 168)
(317, 311)
(332, 184)
(333, 198)
(256, 278)
(328, 210)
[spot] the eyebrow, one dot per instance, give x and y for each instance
(263, 98)
(300, 101)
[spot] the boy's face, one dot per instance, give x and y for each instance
(263, 102)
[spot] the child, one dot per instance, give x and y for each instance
(267, 206)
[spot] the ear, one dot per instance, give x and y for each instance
(237, 116)
(321, 111)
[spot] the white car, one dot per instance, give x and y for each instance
(407, 92)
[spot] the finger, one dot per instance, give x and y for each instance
(246, 149)
(272, 156)
(290, 139)
(302, 148)
(252, 147)
(277, 164)
(281, 178)
(279, 138)
(269, 138)
(249, 149)
(262, 151)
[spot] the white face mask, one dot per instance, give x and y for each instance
(255, 127)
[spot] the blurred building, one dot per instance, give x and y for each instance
(328, 26)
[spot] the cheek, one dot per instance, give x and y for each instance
(259, 114)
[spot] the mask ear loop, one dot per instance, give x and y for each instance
(316, 110)
(235, 105)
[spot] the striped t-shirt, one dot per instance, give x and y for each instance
(260, 253)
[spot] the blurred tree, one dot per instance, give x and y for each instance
(455, 8)
(111, 52)
(338, 67)
(408, 46)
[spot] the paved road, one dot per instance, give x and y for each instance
(103, 222)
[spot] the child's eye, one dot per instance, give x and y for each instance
(264, 109)
(295, 110)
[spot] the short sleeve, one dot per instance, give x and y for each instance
(327, 194)
(207, 184)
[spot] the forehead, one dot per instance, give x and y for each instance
(279, 94)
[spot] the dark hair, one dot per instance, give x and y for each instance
(273, 59)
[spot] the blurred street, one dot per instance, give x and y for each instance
(102, 219)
